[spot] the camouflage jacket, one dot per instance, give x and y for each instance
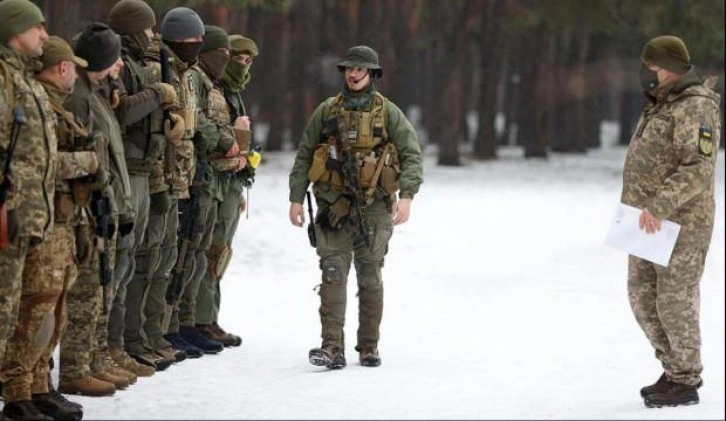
(71, 163)
(400, 132)
(669, 167)
(33, 161)
(214, 135)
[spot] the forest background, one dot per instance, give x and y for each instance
(473, 75)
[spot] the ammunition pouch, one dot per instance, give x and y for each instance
(225, 164)
(65, 207)
(323, 168)
(182, 171)
(189, 115)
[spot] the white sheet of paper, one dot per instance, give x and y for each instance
(624, 234)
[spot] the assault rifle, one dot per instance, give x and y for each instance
(351, 182)
(188, 212)
(166, 78)
(19, 120)
(101, 209)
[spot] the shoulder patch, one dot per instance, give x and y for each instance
(705, 140)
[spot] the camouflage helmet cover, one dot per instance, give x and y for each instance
(364, 57)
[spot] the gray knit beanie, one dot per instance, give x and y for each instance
(180, 23)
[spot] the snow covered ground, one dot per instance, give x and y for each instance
(501, 302)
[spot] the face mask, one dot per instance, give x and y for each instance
(213, 62)
(186, 51)
(648, 78)
(235, 75)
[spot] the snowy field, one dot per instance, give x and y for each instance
(501, 302)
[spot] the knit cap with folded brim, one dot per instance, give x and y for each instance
(17, 16)
(214, 37)
(99, 45)
(242, 45)
(56, 49)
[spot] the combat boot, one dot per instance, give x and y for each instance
(660, 386)
(675, 394)
(368, 356)
(86, 386)
(172, 354)
(179, 343)
(24, 410)
(196, 338)
(110, 366)
(146, 356)
(56, 406)
(124, 361)
(119, 382)
(225, 337)
(331, 357)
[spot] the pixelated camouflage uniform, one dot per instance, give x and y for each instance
(33, 180)
(669, 169)
(339, 247)
(84, 302)
(49, 273)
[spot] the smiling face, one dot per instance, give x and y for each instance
(357, 78)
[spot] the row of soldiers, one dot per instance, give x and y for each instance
(125, 157)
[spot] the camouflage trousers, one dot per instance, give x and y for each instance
(182, 311)
(126, 294)
(50, 271)
(666, 303)
(12, 263)
(336, 249)
(209, 296)
(87, 329)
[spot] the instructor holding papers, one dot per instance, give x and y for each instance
(669, 175)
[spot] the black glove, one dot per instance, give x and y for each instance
(124, 228)
(160, 203)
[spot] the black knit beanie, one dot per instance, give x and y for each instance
(99, 46)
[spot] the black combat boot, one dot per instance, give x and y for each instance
(660, 386)
(24, 410)
(330, 357)
(179, 343)
(194, 337)
(56, 406)
(674, 394)
(368, 356)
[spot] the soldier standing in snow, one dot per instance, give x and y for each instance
(669, 174)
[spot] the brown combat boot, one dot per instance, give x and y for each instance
(125, 361)
(86, 386)
(172, 354)
(110, 366)
(120, 382)
(227, 339)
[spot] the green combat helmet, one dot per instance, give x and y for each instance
(364, 57)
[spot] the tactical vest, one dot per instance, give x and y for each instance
(364, 133)
(179, 163)
(217, 111)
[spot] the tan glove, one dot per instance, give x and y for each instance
(174, 128)
(166, 92)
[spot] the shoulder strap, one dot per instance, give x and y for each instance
(68, 118)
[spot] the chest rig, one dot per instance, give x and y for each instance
(363, 134)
